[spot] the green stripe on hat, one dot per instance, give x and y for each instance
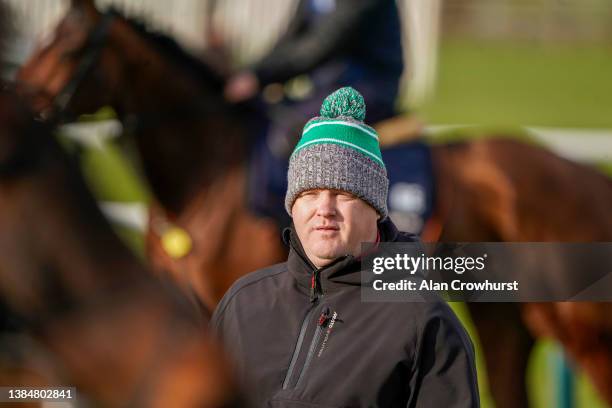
(342, 133)
(368, 130)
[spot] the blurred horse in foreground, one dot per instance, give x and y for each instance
(194, 148)
(78, 309)
(96, 318)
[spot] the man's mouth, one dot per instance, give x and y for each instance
(327, 228)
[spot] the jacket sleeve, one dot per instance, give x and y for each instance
(444, 371)
(308, 45)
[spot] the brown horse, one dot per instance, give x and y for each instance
(193, 151)
(84, 311)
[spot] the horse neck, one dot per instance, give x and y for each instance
(70, 250)
(182, 147)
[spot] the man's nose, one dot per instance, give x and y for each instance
(326, 205)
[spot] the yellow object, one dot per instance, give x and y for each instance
(176, 242)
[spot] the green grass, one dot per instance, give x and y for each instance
(522, 84)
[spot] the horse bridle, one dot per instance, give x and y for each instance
(95, 43)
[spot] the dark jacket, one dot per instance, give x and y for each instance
(362, 34)
(299, 347)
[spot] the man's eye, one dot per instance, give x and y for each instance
(308, 194)
(345, 196)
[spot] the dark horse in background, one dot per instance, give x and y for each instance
(194, 149)
(76, 307)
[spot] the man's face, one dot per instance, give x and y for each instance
(332, 223)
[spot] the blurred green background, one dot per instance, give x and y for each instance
(503, 83)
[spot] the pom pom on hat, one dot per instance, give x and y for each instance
(344, 103)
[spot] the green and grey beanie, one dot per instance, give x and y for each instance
(338, 151)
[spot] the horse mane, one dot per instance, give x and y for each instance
(198, 68)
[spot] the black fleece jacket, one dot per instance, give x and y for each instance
(299, 347)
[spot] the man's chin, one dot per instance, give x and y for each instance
(329, 255)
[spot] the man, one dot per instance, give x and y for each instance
(299, 332)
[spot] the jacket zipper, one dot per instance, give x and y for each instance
(298, 346)
(321, 325)
(315, 287)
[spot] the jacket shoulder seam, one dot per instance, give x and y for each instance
(245, 282)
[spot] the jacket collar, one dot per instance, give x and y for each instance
(343, 271)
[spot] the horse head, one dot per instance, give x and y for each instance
(96, 59)
(74, 63)
(192, 143)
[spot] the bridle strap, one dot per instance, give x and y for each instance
(93, 47)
